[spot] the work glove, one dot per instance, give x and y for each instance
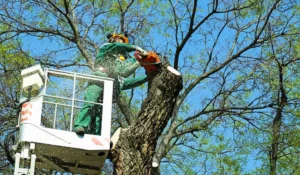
(138, 56)
(141, 51)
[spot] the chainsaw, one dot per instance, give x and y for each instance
(151, 62)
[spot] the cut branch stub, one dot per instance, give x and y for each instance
(133, 151)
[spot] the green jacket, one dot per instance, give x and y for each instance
(109, 58)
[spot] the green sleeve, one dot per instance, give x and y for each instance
(123, 47)
(126, 68)
(115, 48)
(131, 60)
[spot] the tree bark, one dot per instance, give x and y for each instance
(133, 151)
(282, 101)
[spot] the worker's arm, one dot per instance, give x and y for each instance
(122, 68)
(118, 48)
(115, 48)
(127, 67)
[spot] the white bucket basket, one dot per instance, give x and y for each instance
(56, 147)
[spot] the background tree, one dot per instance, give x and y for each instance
(12, 60)
(231, 56)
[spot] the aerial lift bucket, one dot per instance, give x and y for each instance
(54, 147)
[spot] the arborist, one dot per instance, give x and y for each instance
(111, 61)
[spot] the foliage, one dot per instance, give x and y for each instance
(12, 60)
(231, 56)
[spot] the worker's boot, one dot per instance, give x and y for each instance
(79, 130)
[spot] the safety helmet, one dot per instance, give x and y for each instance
(113, 36)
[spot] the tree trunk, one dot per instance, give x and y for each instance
(276, 125)
(134, 148)
(275, 142)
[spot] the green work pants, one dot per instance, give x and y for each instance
(90, 114)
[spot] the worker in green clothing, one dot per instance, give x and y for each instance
(112, 61)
